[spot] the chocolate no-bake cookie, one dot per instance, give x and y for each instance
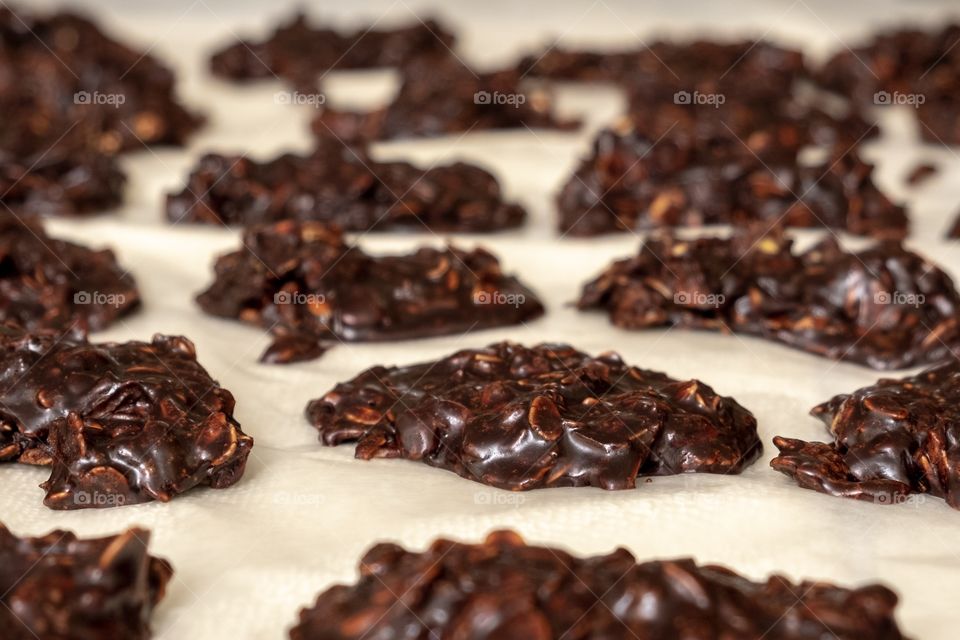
(301, 53)
(910, 67)
(548, 416)
(72, 98)
(344, 186)
(885, 306)
(46, 283)
(504, 589)
(59, 587)
(312, 289)
(632, 182)
(890, 440)
(117, 423)
(441, 95)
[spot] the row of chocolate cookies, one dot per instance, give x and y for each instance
(58, 586)
(725, 125)
(885, 307)
(712, 161)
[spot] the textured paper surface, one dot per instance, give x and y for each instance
(248, 558)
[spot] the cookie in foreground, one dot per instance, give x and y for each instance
(523, 418)
(58, 586)
(313, 289)
(504, 589)
(891, 440)
(885, 306)
(119, 422)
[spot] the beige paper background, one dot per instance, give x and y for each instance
(249, 557)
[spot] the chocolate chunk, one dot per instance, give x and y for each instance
(313, 289)
(72, 98)
(47, 283)
(58, 586)
(505, 589)
(632, 181)
(300, 53)
(907, 67)
(891, 439)
(118, 423)
(343, 186)
(440, 95)
(920, 173)
(885, 306)
(523, 418)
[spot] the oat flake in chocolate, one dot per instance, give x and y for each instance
(504, 589)
(46, 283)
(60, 587)
(313, 290)
(344, 186)
(117, 423)
(548, 416)
(890, 439)
(885, 307)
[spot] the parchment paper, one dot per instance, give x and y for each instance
(249, 557)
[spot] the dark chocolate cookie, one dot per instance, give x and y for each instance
(312, 289)
(548, 416)
(47, 283)
(891, 439)
(885, 306)
(504, 589)
(57, 586)
(117, 423)
(339, 185)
